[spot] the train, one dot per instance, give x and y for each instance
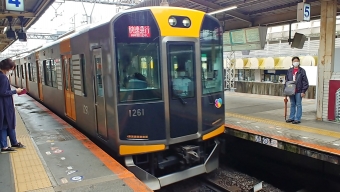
(147, 83)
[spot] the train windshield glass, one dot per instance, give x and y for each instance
(139, 78)
(211, 56)
(182, 66)
(136, 37)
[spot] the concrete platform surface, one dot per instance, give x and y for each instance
(58, 157)
(260, 118)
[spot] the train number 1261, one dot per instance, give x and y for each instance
(136, 112)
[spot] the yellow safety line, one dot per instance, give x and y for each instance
(28, 170)
(287, 125)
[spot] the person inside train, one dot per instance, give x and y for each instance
(181, 84)
(7, 111)
(298, 75)
(129, 72)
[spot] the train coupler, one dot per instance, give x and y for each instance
(189, 153)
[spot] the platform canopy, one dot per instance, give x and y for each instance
(248, 12)
(30, 10)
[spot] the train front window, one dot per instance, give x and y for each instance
(138, 72)
(211, 56)
(182, 70)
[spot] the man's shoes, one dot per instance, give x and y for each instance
(296, 122)
(8, 150)
(19, 146)
(289, 120)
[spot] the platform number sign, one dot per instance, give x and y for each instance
(306, 12)
(15, 5)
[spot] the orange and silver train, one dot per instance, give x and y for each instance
(148, 83)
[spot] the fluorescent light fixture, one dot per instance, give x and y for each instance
(222, 10)
(5, 29)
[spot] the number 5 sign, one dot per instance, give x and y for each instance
(303, 12)
(306, 11)
(15, 5)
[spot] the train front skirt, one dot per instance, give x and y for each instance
(154, 183)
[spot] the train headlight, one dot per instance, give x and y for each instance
(186, 22)
(172, 21)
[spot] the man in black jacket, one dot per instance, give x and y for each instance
(297, 74)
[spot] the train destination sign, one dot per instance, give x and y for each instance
(253, 38)
(139, 31)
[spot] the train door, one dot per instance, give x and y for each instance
(70, 110)
(99, 94)
(182, 89)
(26, 76)
(39, 79)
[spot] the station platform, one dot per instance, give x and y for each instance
(260, 118)
(58, 157)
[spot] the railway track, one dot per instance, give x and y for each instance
(224, 179)
(196, 184)
(234, 181)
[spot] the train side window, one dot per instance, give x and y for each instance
(33, 71)
(99, 78)
(78, 67)
(53, 74)
(17, 69)
(29, 72)
(83, 73)
(71, 75)
(47, 72)
(182, 70)
(22, 72)
(66, 71)
(211, 56)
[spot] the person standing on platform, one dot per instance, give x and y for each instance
(7, 110)
(298, 75)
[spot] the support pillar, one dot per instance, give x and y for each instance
(326, 56)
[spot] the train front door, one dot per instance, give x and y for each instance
(182, 89)
(70, 110)
(39, 78)
(99, 94)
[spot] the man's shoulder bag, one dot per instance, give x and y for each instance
(289, 88)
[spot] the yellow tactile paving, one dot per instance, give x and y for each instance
(50, 189)
(28, 170)
(287, 125)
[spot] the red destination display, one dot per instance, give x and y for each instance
(139, 31)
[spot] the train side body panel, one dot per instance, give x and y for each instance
(102, 75)
(84, 103)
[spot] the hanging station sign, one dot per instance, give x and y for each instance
(15, 5)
